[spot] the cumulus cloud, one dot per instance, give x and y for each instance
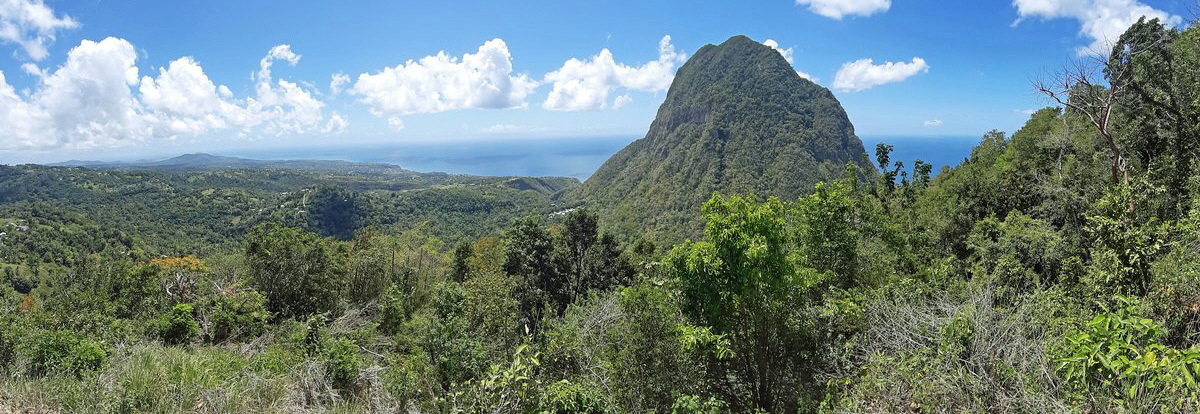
(836, 9)
(622, 101)
(1102, 21)
(441, 82)
(338, 82)
(31, 25)
(789, 55)
(586, 84)
(933, 123)
(97, 99)
(337, 124)
(286, 107)
(864, 74)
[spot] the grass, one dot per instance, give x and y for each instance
(151, 378)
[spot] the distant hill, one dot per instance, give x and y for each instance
(737, 119)
(204, 162)
(200, 162)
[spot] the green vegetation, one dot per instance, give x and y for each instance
(737, 120)
(1033, 277)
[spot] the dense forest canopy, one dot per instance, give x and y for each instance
(1056, 269)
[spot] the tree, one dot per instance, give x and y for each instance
(1154, 67)
(1079, 88)
(528, 258)
(460, 269)
(742, 282)
(586, 260)
(299, 273)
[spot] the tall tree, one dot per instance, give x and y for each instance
(741, 282)
(528, 258)
(586, 260)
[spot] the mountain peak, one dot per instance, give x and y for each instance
(737, 119)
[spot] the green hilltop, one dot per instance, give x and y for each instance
(737, 119)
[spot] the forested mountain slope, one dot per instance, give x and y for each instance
(202, 208)
(737, 119)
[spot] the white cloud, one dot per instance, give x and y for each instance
(338, 82)
(789, 55)
(337, 124)
(283, 107)
(622, 101)
(186, 99)
(501, 128)
(96, 99)
(31, 25)
(395, 123)
(933, 123)
(1025, 111)
(836, 9)
(33, 69)
(441, 82)
(863, 74)
(585, 85)
(1102, 21)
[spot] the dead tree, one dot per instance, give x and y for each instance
(1080, 88)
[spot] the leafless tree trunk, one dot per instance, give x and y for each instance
(1080, 88)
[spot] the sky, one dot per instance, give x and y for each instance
(91, 79)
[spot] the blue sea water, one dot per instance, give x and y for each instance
(944, 151)
(575, 157)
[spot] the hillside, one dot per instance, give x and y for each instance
(208, 162)
(737, 119)
(202, 204)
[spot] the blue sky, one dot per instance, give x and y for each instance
(93, 79)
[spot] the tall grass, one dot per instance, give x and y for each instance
(151, 378)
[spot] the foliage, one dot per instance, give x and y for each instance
(564, 397)
(743, 282)
(62, 352)
(342, 362)
(298, 272)
(1118, 359)
(311, 287)
(738, 120)
(178, 326)
(691, 404)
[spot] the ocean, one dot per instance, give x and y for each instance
(565, 157)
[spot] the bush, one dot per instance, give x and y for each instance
(691, 404)
(62, 352)
(178, 326)
(1118, 360)
(565, 397)
(300, 273)
(342, 363)
(232, 314)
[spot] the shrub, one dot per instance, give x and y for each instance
(1118, 359)
(300, 273)
(62, 352)
(342, 363)
(178, 326)
(565, 397)
(691, 404)
(232, 314)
